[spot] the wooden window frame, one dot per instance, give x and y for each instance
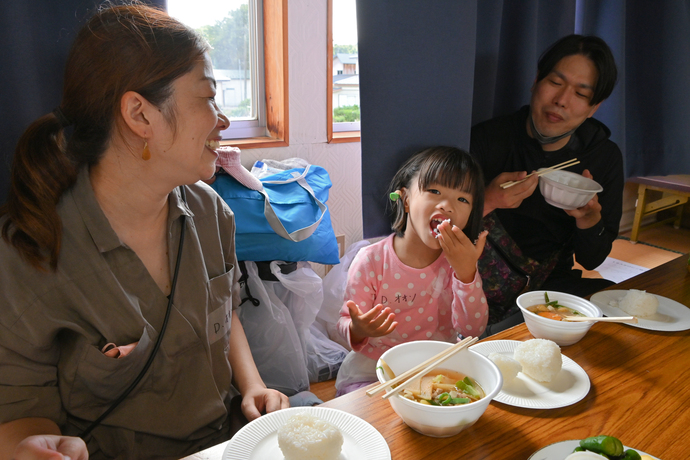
(344, 136)
(276, 79)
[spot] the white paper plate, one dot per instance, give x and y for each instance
(568, 387)
(258, 440)
(670, 316)
(560, 450)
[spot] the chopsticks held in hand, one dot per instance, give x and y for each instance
(607, 319)
(421, 369)
(559, 166)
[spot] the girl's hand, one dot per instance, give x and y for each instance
(461, 253)
(51, 447)
(376, 322)
(258, 399)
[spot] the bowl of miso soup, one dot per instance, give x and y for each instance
(448, 399)
(544, 313)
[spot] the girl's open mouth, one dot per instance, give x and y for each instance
(435, 222)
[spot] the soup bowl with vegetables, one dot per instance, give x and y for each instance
(448, 399)
(545, 315)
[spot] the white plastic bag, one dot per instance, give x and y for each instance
(273, 339)
(325, 356)
(302, 292)
(288, 348)
(334, 284)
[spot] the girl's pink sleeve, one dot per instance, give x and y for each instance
(470, 309)
(357, 280)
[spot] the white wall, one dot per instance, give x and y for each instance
(308, 77)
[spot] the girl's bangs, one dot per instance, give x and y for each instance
(452, 172)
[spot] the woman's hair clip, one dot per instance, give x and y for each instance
(395, 196)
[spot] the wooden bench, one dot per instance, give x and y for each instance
(675, 193)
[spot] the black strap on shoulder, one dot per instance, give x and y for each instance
(136, 381)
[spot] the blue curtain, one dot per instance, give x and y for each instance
(36, 36)
(430, 70)
(415, 58)
(417, 88)
(510, 38)
(649, 112)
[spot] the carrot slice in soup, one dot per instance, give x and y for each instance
(550, 315)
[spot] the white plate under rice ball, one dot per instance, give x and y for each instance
(305, 437)
(540, 359)
(638, 303)
(508, 366)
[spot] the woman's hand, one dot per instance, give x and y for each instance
(258, 399)
(462, 254)
(376, 322)
(51, 447)
(496, 197)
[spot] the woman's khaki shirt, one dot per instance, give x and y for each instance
(54, 324)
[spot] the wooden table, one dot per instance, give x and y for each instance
(675, 193)
(640, 393)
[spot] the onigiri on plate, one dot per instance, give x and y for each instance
(638, 303)
(305, 437)
(508, 366)
(540, 359)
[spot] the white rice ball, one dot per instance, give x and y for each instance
(305, 437)
(508, 366)
(639, 303)
(540, 359)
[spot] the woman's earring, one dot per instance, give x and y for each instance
(146, 154)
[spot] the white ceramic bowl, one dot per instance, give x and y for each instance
(567, 190)
(564, 333)
(438, 421)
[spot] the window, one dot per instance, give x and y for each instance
(343, 72)
(249, 55)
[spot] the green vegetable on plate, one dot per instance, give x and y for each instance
(608, 446)
(631, 455)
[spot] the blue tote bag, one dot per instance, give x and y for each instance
(288, 220)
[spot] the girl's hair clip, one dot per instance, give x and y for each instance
(395, 196)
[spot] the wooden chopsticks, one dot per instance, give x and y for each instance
(606, 319)
(559, 166)
(420, 369)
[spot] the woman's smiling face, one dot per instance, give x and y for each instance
(198, 124)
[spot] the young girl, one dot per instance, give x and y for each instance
(421, 282)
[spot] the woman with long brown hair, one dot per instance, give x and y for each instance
(118, 274)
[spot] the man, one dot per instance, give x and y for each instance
(574, 76)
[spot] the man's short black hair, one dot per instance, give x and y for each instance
(590, 46)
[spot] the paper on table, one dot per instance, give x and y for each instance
(617, 270)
